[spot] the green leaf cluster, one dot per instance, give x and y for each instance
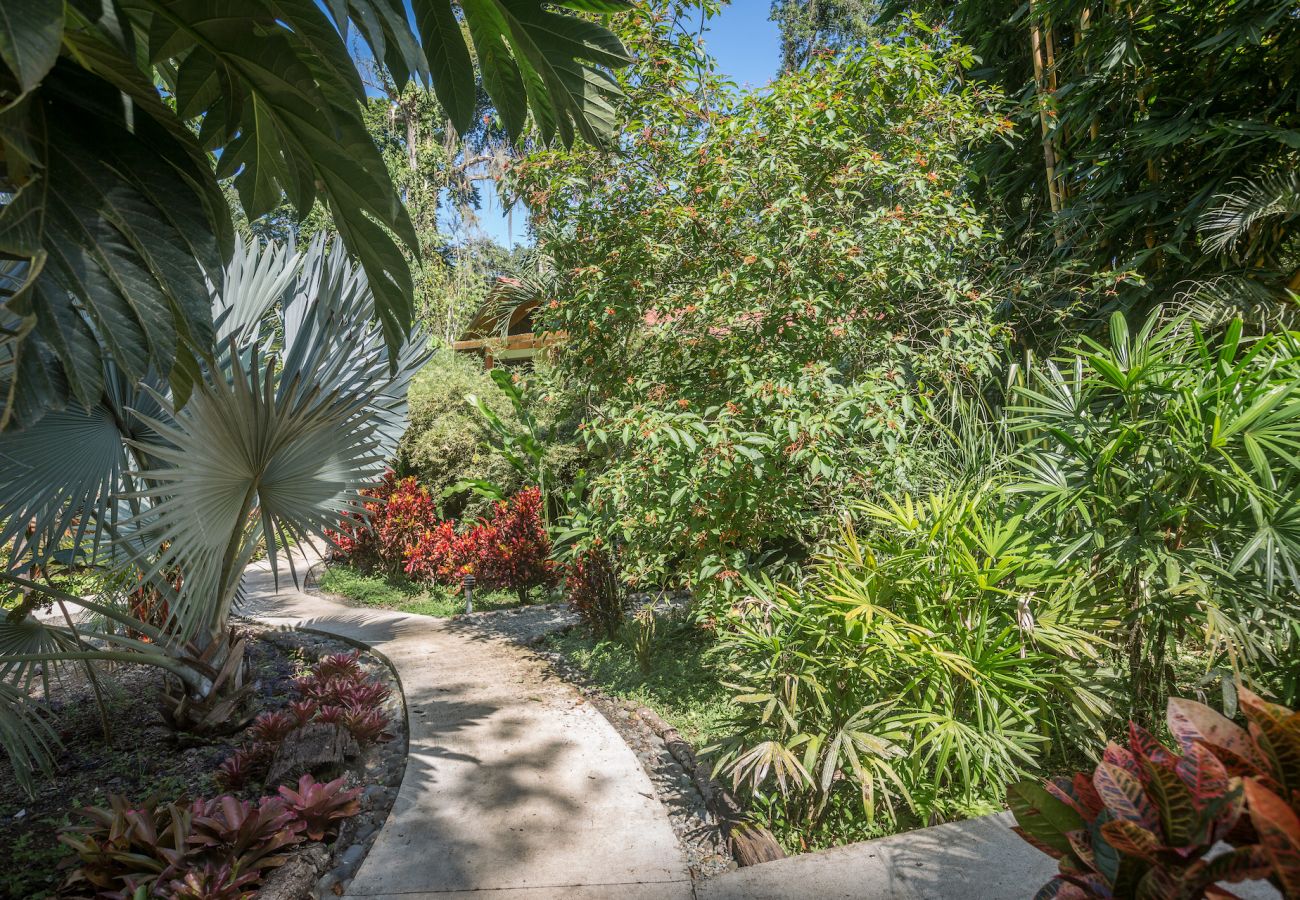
(763, 289)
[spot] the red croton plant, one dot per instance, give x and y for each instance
(401, 533)
(1144, 824)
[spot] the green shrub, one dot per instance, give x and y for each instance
(916, 673)
(1163, 463)
(446, 440)
(760, 328)
(449, 441)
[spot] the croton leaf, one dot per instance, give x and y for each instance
(1121, 758)
(1276, 731)
(1131, 839)
(1047, 818)
(1142, 744)
(1179, 817)
(1124, 796)
(1191, 722)
(1241, 864)
(1279, 833)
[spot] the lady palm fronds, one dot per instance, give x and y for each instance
(1168, 466)
(916, 664)
(295, 413)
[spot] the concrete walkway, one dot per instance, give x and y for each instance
(514, 786)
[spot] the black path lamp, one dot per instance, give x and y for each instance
(468, 582)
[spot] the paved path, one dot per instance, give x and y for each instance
(515, 788)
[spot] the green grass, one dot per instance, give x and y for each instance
(679, 684)
(407, 596)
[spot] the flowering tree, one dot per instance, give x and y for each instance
(763, 287)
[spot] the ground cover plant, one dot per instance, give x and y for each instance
(138, 758)
(672, 677)
(402, 595)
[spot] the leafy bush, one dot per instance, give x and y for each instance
(400, 533)
(507, 550)
(1164, 465)
(595, 592)
(1143, 825)
(447, 441)
(931, 664)
(396, 514)
(760, 326)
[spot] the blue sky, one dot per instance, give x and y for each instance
(747, 47)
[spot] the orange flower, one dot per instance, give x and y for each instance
(683, 403)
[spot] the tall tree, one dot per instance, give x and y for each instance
(808, 26)
(1138, 120)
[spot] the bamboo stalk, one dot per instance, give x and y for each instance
(1040, 83)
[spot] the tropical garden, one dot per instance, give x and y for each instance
(919, 435)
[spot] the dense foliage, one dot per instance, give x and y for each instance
(761, 292)
(400, 532)
(120, 120)
(1164, 462)
(919, 670)
(1135, 121)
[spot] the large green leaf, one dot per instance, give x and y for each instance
(279, 441)
(549, 63)
(117, 219)
(30, 32)
(124, 248)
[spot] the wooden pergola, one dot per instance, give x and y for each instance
(514, 344)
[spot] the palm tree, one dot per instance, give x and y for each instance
(299, 409)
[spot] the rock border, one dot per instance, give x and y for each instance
(325, 871)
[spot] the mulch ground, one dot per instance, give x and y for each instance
(142, 759)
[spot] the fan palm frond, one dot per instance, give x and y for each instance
(1249, 202)
(295, 413)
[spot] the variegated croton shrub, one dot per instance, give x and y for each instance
(1145, 822)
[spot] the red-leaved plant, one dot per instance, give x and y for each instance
(397, 512)
(508, 551)
(319, 806)
(1143, 823)
(219, 848)
(400, 532)
(336, 691)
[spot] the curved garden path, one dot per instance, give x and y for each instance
(514, 786)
